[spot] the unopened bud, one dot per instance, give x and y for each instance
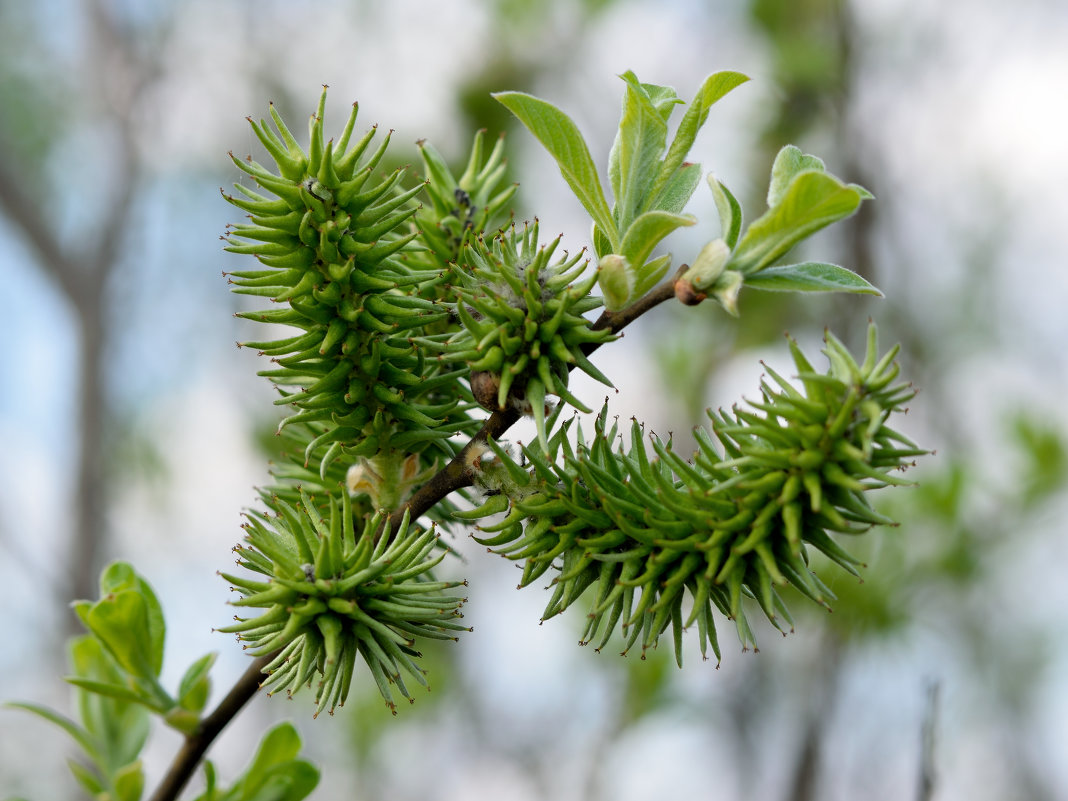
(616, 278)
(726, 290)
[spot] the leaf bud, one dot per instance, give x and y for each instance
(616, 278)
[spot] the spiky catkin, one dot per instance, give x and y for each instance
(523, 324)
(331, 242)
(639, 535)
(333, 594)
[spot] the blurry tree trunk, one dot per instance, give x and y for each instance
(112, 82)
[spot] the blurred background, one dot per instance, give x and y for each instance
(132, 428)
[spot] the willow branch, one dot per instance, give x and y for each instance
(457, 474)
(460, 472)
(197, 743)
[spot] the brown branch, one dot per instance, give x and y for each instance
(460, 472)
(456, 475)
(23, 211)
(197, 743)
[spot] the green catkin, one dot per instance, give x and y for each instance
(767, 486)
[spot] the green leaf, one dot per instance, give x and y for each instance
(680, 188)
(650, 274)
(120, 622)
(562, 138)
(813, 201)
(789, 162)
(730, 212)
(645, 233)
(87, 778)
(811, 276)
(279, 746)
(120, 577)
(195, 684)
(118, 728)
(601, 246)
(129, 782)
(80, 735)
(275, 773)
(120, 692)
(640, 140)
(714, 87)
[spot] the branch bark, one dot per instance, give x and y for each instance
(197, 743)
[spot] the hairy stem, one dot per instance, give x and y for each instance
(456, 475)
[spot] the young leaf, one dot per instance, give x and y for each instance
(120, 621)
(811, 276)
(121, 576)
(275, 771)
(730, 211)
(118, 727)
(562, 138)
(80, 735)
(680, 188)
(640, 140)
(195, 684)
(714, 87)
(119, 692)
(813, 201)
(129, 782)
(789, 163)
(86, 778)
(646, 232)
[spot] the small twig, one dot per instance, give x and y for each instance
(926, 784)
(197, 743)
(457, 474)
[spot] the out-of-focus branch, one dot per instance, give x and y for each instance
(926, 784)
(23, 212)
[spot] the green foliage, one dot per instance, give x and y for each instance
(275, 773)
(651, 182)
(115, 671)
(802, 199)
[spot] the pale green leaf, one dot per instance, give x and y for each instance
(712, 89)
(813, 201)
(121, 576)
(730, 212)
(680, 188)
(119, 692)
(129, 782)
(120, 621)
(650, 273)
(195, 684)
(811, 276)
(601, 245)
(87, 778)
(789, 162)
(562, 138)
(646, 231)
(80, 735)
(639, 143)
